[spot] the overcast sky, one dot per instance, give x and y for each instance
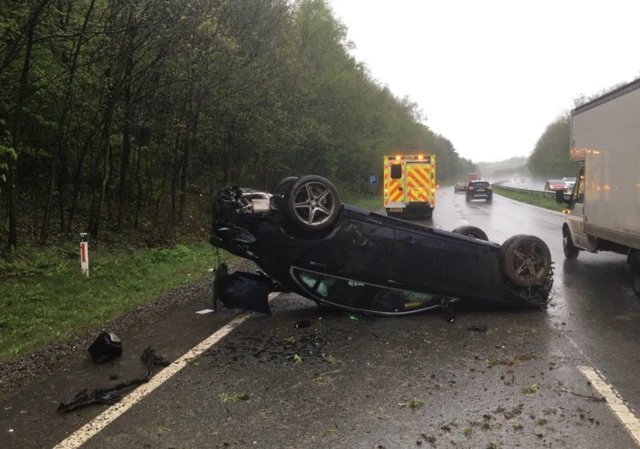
(490, 75)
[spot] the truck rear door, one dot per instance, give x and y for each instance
(418, 182)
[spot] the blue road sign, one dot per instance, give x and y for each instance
(373, 179)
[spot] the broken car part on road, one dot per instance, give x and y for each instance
(111, 395)
(106, 347)
(306, 241)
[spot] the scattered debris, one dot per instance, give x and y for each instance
(332, 431)
(303, 324)
(468, 431)
(415, 403)
(492, 445)
(297, 358)
(478, 328)
(235, 397)
(205, 311)
(352, 318)
(111, 395)
(114, 376)
(541, 422)
(530, 389)
(106, 346)
(331, 360)
(291, 340)
(513, 413)
(593, 398)
(429, 439)
(517, 426)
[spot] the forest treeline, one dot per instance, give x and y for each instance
(550, 156)
(129, 114)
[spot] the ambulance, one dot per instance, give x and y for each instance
(410, 184)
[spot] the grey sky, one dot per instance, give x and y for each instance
(490, 75)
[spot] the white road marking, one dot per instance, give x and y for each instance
(614, 400)
(93, 427)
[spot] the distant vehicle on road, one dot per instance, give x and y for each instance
(473, 176)
(569, 183)
(604, 208)
(554, 185)
(460, 187)
(479, 190)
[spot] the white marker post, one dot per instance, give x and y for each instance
(84, 254)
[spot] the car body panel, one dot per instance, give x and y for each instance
(365, 253)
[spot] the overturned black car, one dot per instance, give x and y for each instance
(306, 241)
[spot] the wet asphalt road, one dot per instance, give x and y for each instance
(355, 384)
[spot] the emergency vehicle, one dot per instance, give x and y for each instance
(410, 184)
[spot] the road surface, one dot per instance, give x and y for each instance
(530, 381)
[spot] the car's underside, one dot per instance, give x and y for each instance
(304, 240)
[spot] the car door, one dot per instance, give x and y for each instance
(436, 262)
(575, 219)
(359, 250)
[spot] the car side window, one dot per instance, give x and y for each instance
(361, 296)
(396, 171)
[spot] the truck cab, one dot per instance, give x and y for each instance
(573, 236)
(603, 212)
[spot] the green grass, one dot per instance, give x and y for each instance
(530, 198)
(45, 299)
(366, 202)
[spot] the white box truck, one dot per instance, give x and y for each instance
(604, 208)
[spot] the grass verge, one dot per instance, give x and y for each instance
(530, 198)
(45, 299)
(366, 202)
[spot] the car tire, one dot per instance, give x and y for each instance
(468, 199)
(284, 186)
(313, 203)
(570, 250)
(471, 231)
(489, 200)
(525, 260)
(635, 272)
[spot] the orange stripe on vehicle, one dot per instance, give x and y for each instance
(396, 197)
(424, 178)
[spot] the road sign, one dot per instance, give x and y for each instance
(373, 179)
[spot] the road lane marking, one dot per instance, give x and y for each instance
(614, 400)
(96, 425)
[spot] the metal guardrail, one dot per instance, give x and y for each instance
(533, 192)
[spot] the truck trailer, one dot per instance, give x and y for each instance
(603, 211)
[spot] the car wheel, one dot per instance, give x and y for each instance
(526, 260)
(285, 185)
(635, 272)
(471, 231)
(468, 199)
(489, 200)
(313, 203)
(570, 250)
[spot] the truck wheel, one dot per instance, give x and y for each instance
(471, 231)
(570, 250)
(313, 203)
(285, 185)
(635, 273)
(526, 260)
